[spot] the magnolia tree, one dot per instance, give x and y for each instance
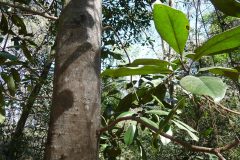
(173, 27)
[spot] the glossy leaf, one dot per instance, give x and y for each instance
(155, 62)
(158, 112)
(125, 114)
(209, 86)
(26, 51)
(186, 126)
(142, 150)
(19, 23)
(150, 122)
(2, 103)
(229, 7)
(172, 25)
(11, 85)
(212, 156)
(158, 100)
(4, 24)
(221, 43)
(6, 55)
(16, 75)
(130, 71)
(1, 39)
(155, 143)
(227, 72)
(171, 114)
(105, 53)
(4, 77)
(188, 129)
(126, 103)
(145, 94)
(2, 118)
(129, 134)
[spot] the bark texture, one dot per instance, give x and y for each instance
(75, 115)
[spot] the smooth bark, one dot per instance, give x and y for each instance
(75, 116)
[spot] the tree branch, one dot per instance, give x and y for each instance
(31, 99)
(29, 10)
(224, 108)
(27, 108)
(115, 33)
(216, 151)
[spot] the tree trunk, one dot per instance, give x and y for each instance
(75, 115)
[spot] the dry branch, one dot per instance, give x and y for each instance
(28, 9)
(217, 151)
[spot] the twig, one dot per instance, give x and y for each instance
(216, 151)
(182, 64)
(125, 51)
(29, 10)
(14, 98)
(115, 33)
(219, 155)
(224, 108)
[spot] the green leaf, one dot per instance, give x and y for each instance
(6, 55)
(16, 75)
(150, 122)
(26, 51)
(158, 112)
(221, 43)
(19, 23)
(188, 129)
(171, 114)
(227, 72)
(126, 103)
(2, 118)
(2, 102)
(212, 156)
(154, 62)
(125, 114)
(158, 100)
(4, 77)
(229, 7)
(1, 39)
(155, 143)
(145, 94)
(172, 25)
(207, 132)
(186, 126)
(209, 86)
(11, 85)
(105, 53)
(129, 134)
(4, 24)
(142, 150)
(127, 71)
